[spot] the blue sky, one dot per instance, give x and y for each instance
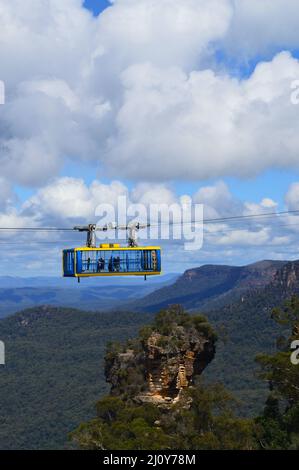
(96, 6)
(148, 101)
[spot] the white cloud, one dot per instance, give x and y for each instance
(65, 202)
(7, 197)
(201, 125)
(165, 33)
(292, 197)
(218, 201)
(145, 193)
(67, 199)
(136, 91)
(44, 38)
(266, 205)
(245, 238)
(259, 27)
(62, 70)
(46, 49)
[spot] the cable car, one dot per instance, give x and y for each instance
(111, 259)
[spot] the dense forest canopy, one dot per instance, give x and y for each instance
(204, 418)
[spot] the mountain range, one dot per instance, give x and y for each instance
(18, 293)
(54, 356)
(210, 286)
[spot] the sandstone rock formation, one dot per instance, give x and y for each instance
(164, 360)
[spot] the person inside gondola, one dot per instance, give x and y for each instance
(116, 264)
(100, 265)
(110, 265)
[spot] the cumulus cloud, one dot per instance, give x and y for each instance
(137, 92)
(62, 71)
(218, 201)
(204, 125)
(259, 27)
(44, 38)
(145, 193)
(68, 199)
(7, 196)
(292, 197)
(46, 52)
(65, 202)
(165, 33)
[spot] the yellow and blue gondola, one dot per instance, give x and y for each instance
(111, 260)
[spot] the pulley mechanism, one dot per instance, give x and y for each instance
(132, 230)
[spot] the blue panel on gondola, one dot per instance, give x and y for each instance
(79, 261)
(68, 263)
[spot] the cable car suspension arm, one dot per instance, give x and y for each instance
(131, 229)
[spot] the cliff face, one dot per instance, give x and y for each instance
(288, 277)
(164, 360)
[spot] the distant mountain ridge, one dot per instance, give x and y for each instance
(92, 294)
(211, 286)
(14, 282)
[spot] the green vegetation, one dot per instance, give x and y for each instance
(245, 329)
(203, 418)
(54, 372)
(209, 423)
(279, 424)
